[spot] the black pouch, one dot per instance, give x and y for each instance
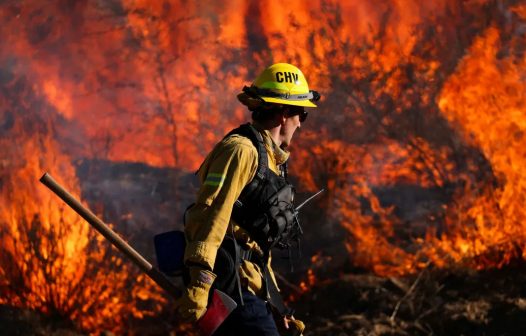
(225, 268)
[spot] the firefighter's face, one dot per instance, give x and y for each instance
(291, 122)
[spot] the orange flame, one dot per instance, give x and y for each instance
(148, 82)
(482, 224)
(485, 100)
(50, 259)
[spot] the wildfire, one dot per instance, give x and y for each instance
(478, 222)
(490, 111)
(50, 260)
(426, 96)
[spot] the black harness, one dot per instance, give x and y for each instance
(266, 211)
(265, 206)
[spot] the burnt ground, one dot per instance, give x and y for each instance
(433, 302)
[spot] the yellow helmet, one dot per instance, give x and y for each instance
(280, 83)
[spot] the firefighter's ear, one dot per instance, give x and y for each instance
(283, 116)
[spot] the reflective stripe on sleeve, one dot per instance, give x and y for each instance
(215, 180)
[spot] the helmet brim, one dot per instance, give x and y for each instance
(305, 103)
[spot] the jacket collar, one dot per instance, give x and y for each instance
(279, 155)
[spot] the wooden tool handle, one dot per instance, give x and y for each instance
(111, 235)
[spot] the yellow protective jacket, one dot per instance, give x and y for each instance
(229, 167)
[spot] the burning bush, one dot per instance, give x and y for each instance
(50, 260)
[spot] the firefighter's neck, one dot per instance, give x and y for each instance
(273, 127)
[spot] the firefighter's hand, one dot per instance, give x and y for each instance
(192, 305)
(292, 326)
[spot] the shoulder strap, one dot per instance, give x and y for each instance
(250, 132)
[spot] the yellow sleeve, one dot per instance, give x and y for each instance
(229, 168)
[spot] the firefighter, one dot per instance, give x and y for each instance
(244, 208)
